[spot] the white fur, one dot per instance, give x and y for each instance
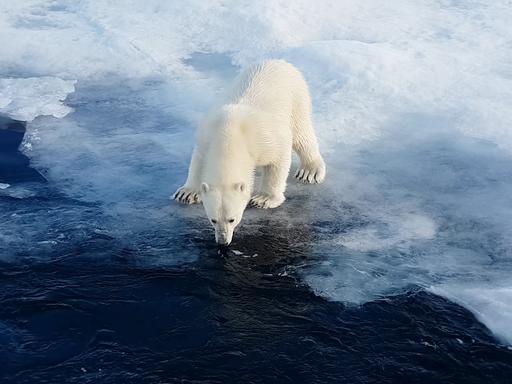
(266, 114)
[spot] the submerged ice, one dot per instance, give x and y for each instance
(423, 206)
(411, 106)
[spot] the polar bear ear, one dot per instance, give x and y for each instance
(240, 187)
(205, 187)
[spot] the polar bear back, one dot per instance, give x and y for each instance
(254, 124)
(273, 86)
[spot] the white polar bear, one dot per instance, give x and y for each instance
(265, 115)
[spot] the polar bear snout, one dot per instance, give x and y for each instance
(223, 236)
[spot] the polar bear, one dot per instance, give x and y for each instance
(265, 115)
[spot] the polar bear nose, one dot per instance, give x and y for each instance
(222, 238)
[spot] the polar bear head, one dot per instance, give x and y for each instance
(224, 206)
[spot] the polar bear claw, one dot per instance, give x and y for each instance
(312, 173)
(187, 195)
(266, 201)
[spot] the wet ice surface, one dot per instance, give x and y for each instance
(397, 269)
(422, 204)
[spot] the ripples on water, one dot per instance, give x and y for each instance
(226, 320)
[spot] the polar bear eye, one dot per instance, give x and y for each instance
(214, 221)
(231, 221)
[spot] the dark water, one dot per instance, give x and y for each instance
(90, 313)
(14, 166)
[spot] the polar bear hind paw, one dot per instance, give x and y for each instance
(266, 201)
(312, 173)
(187, 195)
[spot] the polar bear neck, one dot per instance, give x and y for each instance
(229, 158)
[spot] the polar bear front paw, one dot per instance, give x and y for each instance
(312, 173)
(187, 195)
(266, 201)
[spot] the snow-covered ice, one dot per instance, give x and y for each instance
(411, 104)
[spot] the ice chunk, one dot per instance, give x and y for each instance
(491, 305)
(27, 98)
(17, 192)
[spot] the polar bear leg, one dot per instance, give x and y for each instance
(190, 192)
(312, 166)
(273, 184)
(305, 144)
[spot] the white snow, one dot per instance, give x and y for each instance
(367, 62)
(411, 104)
